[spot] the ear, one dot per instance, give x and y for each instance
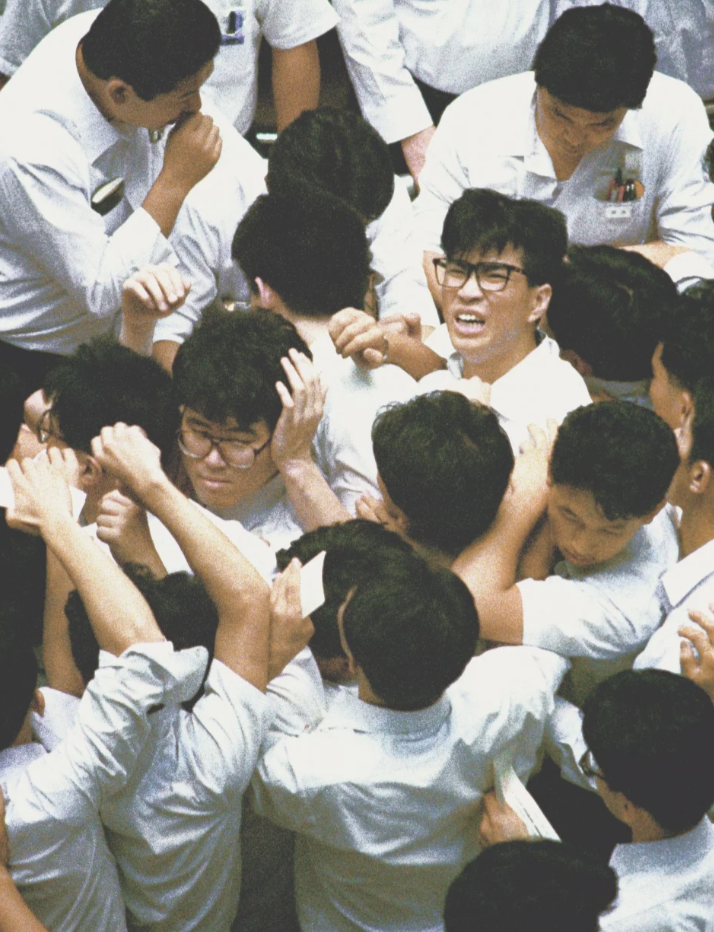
(577, 362)
(118, 91)
(92, 474)
(541, 300)
(38, 703)
(700, 474)
(264, 295)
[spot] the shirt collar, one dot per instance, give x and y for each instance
(691, 571)
(667, 854)
(351, 712)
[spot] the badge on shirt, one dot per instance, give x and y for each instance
(234, 28)
(108, 196)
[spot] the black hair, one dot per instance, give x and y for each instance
(624, 455)
(337, 151)
(102, 383)
(12, 397)
(703, 422)
(487, 221)
(597, 58)
(152, 45)
(530, 886)
(354, 550)
(18, 681)
(229, 365)
(688, 344)
(612, 307)
(179, 602)
(651, 733)
(458, 465)
(412, 628)
(310, 247)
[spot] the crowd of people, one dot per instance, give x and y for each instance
(340, 505)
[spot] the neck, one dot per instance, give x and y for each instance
(310, 328)
(365, 691)
(25, 734)
(649, 832)
(696, 528)
(491, 369)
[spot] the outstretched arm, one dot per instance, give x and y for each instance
(152, 293)
(296, 81)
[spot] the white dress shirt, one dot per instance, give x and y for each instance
(664, 886)
(601, 616)
(488, 139)
(174, 828)
(540, 388)
(386, 803)
(62, 266)
(233, 86)
(59, 857)
(452, 45)
(686, 585)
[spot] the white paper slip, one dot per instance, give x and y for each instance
(510, 790)
(7, 496)
(312, 593)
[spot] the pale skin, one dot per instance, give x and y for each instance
(697, 649)
(414, 149)
(296, 82)
(152, 293)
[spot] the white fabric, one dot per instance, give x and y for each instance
(540, 388)
(452, 45)
(686, 585)
(343, 442)
(687, 269)
(385, 803)
(59, 716)
(601, 616)
(62, 266)
(664, 886)
(233, 86)
(488, 139)
(59, 857)
(174, 828)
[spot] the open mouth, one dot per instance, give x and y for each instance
(469, 323)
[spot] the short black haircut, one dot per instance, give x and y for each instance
(651, 733)
(487, 221)
(412, 628)
(153, 45)
(103, 383)
(229, 365)
(337, 151)
(354, 550)
(12, 397)
(612, 308)
(688, 344)
(179, 602)
(703, 422)
(530, 886)
(597, 58)
(459, 462)
(310, 248)
(624, 455)
(18, 681)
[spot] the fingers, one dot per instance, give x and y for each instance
(156, 289)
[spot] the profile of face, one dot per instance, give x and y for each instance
(224, 462)
(580, 530)
(570, 132)
(669, 399)
(164, 109)
(492, 324)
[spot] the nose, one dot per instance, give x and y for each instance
(214, 458)
(471, 287)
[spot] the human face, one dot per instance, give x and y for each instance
(669, 399)
(164, 109)
(568, 132)
(493, 330)
(580, 530)
(216, 484)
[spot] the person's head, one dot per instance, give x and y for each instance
(685, 355)
(502, 257)
(594, 64)
(354, 551)
(458, 465)
(224, 384)
(410, 629)
(530, 886)
(100, 384)
(692, 488)
(609, 310)
(179, 602)
(609, 473)
(334, 150)
(18, 681)
(153, 56)
(307, 255)
(651, 736)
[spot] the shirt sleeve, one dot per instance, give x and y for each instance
(22, 25)
(287, 25)
(388, 97)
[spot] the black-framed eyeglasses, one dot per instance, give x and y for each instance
(198, 446)
(45, 429)
(589, 767)
(490, 276)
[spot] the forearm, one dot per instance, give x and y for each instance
(61, 670)
(164, 352)
(296, 82)
(138, 335)
(15, 914)
(164, 201)
(312, 498)
(658, 251)
(412, 355)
